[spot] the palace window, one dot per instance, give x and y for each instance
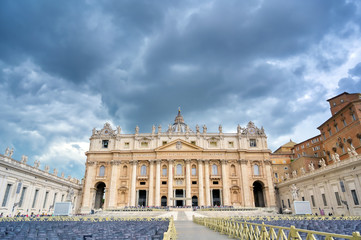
(283, 204)
(233, 170)
(194, 182)
(125, 170)
(252, 143)
(126, 145)
(179, 170)
(35, 197)
(213, 144)
(22, 197)
(194, 170)
(164, 182)
(338, 200)
(336, 127)
(45, 199)
(105, 143)
(215, 182)
(6, 196)
(324, 199)
(344, 122)
(313, 201)
(330, 132)
(142, 183)
(164, 143)
(101, 171)
(230, 144)
(256, 170)
(214, 169)
(289, 204)
(164, 170)
(353, 117)
(143, 170)
(54, 199)
(193, 142)
(354, 196)
(144, 144)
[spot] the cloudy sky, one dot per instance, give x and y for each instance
(69, 66)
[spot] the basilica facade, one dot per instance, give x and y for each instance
(178, 167)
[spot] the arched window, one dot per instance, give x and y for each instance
(179, 169)
(164, 170)
(233, 170)
(194, 170)
(101, 171)
(143, 170)
(214, 169)
(256, 170)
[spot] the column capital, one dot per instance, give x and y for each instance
(223, 161)
(187, 161)
(170, 160)
(114, 162)
(90, 163)
(206, 161)
(158, 161)
(200, 160)
(134, 162)
(267, 161)
(152, 161)
(243, 161)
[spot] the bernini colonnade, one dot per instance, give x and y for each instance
(178, 167)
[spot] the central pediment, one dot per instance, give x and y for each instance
(178, 145)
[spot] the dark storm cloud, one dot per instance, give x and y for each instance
(352, 84)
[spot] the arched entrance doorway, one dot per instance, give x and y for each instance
(194, 201)
(216, 197)
(163, 201)
(142, 198)
(258, 194)
(99, 195)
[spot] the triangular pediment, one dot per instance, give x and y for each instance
(179, 145)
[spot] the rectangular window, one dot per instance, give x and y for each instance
(313, 201)
(330, 132)
(164, 171)
(289, 204)
(144, 144)
(336, 127)
(62, 198)
(303, 198)
(324, 136)
(105, 143)
(193, 142)
(338, 200)
(283, 204)
(45, 199)
(230, 144)
(353, 117)
(6, 196)
(276, 175)
(215, 182)
(324, 199)
(164, 182)
(22, 197)
(252, 143)
(194, 171)
(54, 199)
(354, 196)
(35, 197)
(213, 144)
(194, 182)
(344, 122)
(142, 183)
(126, 145)
(164, 143)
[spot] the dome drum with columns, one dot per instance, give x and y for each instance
(178, 167)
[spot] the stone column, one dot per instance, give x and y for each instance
(88, 186)
(151, 183)
(133, 184)
(113, 184)
(271, 189)
(206, 173)
(225, 184)
(157, 183)
(200, 184)
(188, 183)
(170, 182)
(247, 193)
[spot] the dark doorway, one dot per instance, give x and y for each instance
(142, 198)
(179, 193)
(258, 194)
(99, 195)
(194, 201)
(216, 196)
(163, 201)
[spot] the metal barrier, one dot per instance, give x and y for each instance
(246, 230)
(171, 233)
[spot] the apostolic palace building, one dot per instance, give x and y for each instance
(178, 166)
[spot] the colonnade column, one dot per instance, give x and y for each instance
(200, 184)
(134, 182)
(188, 182)
(151, 184)
(170, 182)
(225, 183)
(247, 193)
(271, 191)
(112, 203)
(206, 173)
(157, 183)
